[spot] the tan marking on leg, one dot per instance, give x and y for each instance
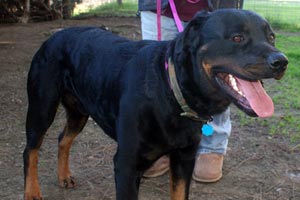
(64, 173)
(32, 188)
(177, 189)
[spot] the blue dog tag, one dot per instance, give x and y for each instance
(207, 130)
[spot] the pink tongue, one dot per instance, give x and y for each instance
(259, 100)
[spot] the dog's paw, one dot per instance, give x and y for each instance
(32, 191)
(68, 182)
(33, 197)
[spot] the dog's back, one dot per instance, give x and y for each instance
(89, 66)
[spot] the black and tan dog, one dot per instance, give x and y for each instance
(151, 97)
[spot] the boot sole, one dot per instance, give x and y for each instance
(160, 173)
(207, 180)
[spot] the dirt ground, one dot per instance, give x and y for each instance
(257, 166)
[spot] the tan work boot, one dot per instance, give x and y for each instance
(160, 167)
(208, 167)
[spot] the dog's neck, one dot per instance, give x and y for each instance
(187, 111)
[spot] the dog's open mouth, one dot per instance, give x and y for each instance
(249, 96)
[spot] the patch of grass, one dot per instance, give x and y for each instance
(283, 15)
(285, 94)
(127, 9)
(290, 44)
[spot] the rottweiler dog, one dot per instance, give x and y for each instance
(151, 97)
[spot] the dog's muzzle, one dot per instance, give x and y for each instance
(277, 61)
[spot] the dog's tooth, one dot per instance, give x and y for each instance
(235, 88)
(234, 85)
(233, 82)
(241, 93)
(231, 77)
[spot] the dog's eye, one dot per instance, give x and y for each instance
(237, 38)
(272, 38)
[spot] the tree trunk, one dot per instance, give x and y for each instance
(119, 2)
(47, 2)
(25, 17)
(67, 9)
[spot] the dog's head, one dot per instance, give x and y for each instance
(226, 54)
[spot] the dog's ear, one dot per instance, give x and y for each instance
(191, 38)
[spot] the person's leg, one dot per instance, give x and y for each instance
(209, 161)
(149, 26)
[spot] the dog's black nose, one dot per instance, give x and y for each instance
(277, 61)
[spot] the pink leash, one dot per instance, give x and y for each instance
(158, 19)
(175, 13)
(175, 16)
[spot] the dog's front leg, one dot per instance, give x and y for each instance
(181, 168)
(127, 178)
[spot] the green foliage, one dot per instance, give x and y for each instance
(126, 9)
(290, 44)
(282, 15)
